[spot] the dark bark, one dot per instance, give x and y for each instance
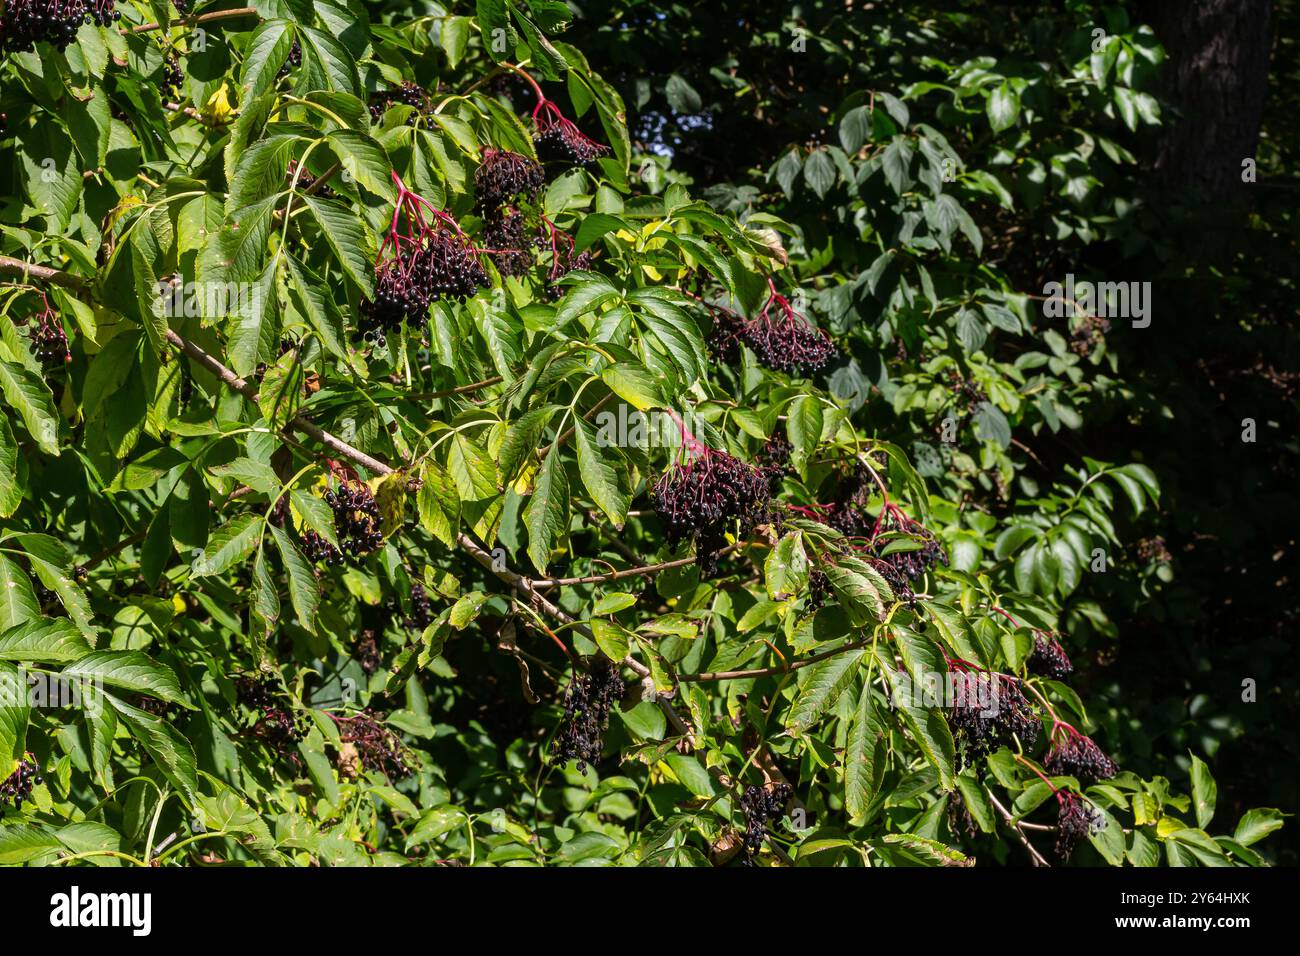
(1217, 77)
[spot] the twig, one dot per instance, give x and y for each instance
(1011, 821)
(191, 21)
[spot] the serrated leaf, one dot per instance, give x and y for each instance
(229, 545)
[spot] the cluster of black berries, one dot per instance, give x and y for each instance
(173, 77)
(760, 806)
(988, 710)
(356, 517)
(292, 61)
(49, 340)
(911, 564)
(564, 260)
(366, 652)
(24, 23)
(162, 709)
(774, 459)
(306, 180)
(559, 141)
(379, 748)
(705, 497)
(440, 264)
(966, 392)
(276, 726)
(1088, 335)
(1076, 820)
(182, 6)
(503, 179)
(1076, 755)
(17, 787)
(421, 615)
(786, 343)
(587, 704)
(408, 94)
(1048, 657)
(505, 231)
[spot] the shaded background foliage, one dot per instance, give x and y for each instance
(721, 89)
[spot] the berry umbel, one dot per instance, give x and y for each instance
(17, 787)
(1076, 755)
(761, 805)
(706, 493)
(356, 523)
(555, 137)
(421, 260)
(783, 339)
(48, 338)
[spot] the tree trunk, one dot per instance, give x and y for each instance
(1217, 77)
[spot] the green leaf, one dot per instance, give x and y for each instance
(229, 545)
(613, 640)
(863, 758)
(634, 384)
(354, 249)
(15, 709)
(607, 483)
(304, 592)
(819, 172)
(364, 159)
(43, 641)
(785, 570)
(127, 670)
(17, 597)
(546, 515)
(1257, 824)
(169, 750)
(1205, 792)
(1003, 107)
(826, 681)
(281, 391)
(27, 393)
(11, 480)
(803, 425)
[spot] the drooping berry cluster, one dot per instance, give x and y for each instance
(1077, 755)
(276, 725)
(18, 786)
(506, 234)
(1048, 657)
(504, 179)
(1076, 820)
(421, 615)
(24, 23)
(49, 340)
(706, 495)
(910, 563)
(587, 705)
(408, 94)
(986, 711)
(379, 749)
(774, 460)
(173, 77)
(761, 805)
(366, 651)
(782, 339)
(558, 140)
(564, 259)
(429, 261)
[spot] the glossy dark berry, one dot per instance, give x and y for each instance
(173, 77)
(439, 264)
(306, 180)
(761, 805)
(48, 338)
(503, 179)
(408, 93)
(587, 705)
(421, 615)
(292, 61)
(356, 518)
